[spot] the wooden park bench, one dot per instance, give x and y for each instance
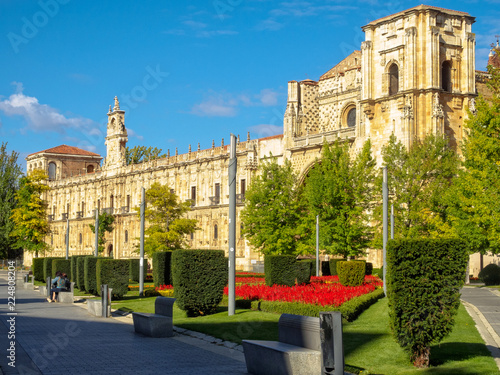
(158, 324)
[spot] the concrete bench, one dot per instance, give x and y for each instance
(94, 307)
(66, 296)
(297, 352)
(158, 324)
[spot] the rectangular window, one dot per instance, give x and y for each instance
(243, 186)
(128, 203)
(217, 193)
(193, 194)
(67, 209)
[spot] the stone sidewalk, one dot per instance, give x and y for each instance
(483, 305)
(66, 339)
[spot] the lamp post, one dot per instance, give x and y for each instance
(232, 226)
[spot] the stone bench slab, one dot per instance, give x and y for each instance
(278, 358)
(94, 307)
(153, 325)
(65, 297)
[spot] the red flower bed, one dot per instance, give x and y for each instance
(249, 280)
(164, 287)
(322, 291)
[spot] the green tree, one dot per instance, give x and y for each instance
(29, 215)
(419, 180)
(164, 213)
(105, 225)
(273, 209)
(339, 190)
(474, 207)
(140, 154)
(10, 173)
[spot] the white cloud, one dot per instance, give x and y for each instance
(266, 130)
(269, 25)
(226, 105)
(215, 106)
(40, 117)
(268, 97)
(131, 133)
(195, 25)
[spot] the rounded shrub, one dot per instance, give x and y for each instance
(333, 266)
(490, 275)
(351, 273)
(199, 278)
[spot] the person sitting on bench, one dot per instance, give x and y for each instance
(58, 284)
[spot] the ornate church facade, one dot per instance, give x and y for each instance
(414, 75)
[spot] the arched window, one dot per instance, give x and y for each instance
(52, 170)
(216, 232)
(351, 117)
(80, 239)
(126, 236)
(393, 79)
(446, 76)
(111, 201)
(90, 169)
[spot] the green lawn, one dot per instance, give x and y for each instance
(368, 342)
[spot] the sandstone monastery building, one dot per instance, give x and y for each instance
(413, 75)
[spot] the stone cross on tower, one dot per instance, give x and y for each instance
(116, 137)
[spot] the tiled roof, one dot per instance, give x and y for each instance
(68, 150)
(420, 7)
(271, 137)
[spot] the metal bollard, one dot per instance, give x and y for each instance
(332, 345)
(26, 278)
(104, 299)
(49, 286)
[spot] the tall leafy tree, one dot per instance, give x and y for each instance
(10, 173)
(474, 205)
(273, 209)
(419, 180)
(166, 224)
(339, 190)
(140, 154)
(29, 215)
(105, 226)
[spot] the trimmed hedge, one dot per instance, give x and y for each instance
(74, 266)
(490, 275)
(280, 269)
(350, 310)
(199, 277)
(80, 272)
(304, 270)
(424, 278)
(90, 274)
(333, 266)
(63, 265)
(134, 270)
(351, 273)
(47, 266)
(38, 269)
(162, 268)
(114, 273)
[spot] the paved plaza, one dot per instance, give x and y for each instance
(54, 338)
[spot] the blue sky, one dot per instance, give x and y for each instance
(184, 71)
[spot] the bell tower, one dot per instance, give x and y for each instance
(116, 138)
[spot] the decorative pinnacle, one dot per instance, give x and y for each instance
(109, 109)
(248, 136)
(117, 104)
